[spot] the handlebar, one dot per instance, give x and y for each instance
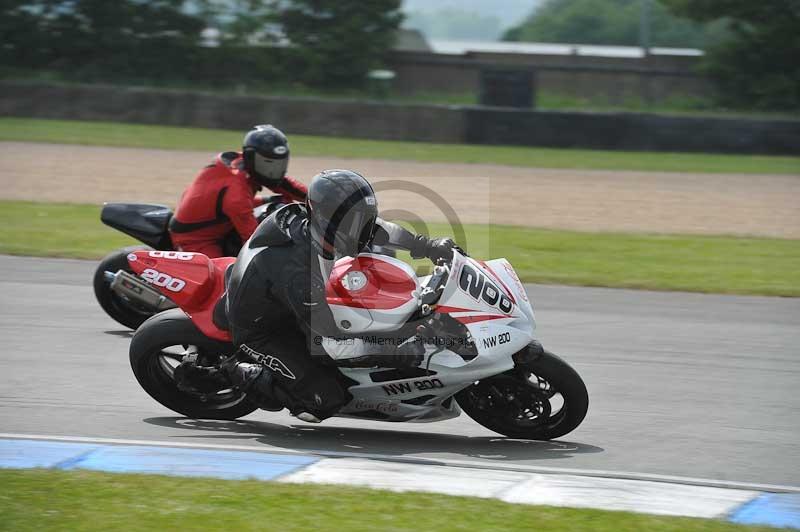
(433, 290)
(441, 273)
(274, 198)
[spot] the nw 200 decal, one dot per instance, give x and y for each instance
(480, 287)
(492, 341)
(405, 387)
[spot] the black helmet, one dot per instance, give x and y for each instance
(266, 154)
(342, 209)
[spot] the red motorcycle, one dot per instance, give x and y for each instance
(196, 284)
(125, 297)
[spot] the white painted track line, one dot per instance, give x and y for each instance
(529, 488)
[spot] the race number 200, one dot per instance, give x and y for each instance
(172, 284)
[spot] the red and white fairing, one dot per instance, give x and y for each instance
(489, 299)
(378, 293)
(372, 293)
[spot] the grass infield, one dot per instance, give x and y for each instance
(82, 500)
(659, 262)
(177, 138)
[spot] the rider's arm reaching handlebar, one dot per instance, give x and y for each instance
(410, 352)
(394, 236)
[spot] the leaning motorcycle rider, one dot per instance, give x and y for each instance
(222, 197)
(276, 308)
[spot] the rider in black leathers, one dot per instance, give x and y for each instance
(275, 301)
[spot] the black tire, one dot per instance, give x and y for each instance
(534, 420)
(151, 367)
(119, 309)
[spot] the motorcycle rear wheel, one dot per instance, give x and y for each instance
(117, 307)
(155, 352)
(545, 400)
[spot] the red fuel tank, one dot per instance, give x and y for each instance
(372, 293)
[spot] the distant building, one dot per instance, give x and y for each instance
(538, 48)
(590, 73)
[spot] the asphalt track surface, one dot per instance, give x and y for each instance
(680, 384)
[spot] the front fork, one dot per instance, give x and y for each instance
(135, 289)
(525, 357)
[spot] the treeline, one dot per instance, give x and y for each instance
(611, 22)
(752, 46)
(209, 42)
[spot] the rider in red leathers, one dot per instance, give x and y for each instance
(222, 197)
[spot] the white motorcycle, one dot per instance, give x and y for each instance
(475, 318)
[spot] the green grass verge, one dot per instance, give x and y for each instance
(657, 262)
(175, 138)
(82, 500)
(56, 230)
(714, 264)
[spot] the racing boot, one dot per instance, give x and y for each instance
(199, 380)
(308, 417)
(296, 408)
(256, 381)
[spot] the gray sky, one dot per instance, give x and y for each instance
(509, 12)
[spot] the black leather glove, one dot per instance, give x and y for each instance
(441, 248)
(434, 249)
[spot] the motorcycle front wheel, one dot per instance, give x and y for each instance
(160, 345)
(545, 400)
(120, 309)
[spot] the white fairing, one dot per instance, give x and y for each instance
(490, 302)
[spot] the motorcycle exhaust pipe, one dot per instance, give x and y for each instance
(135, 289)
